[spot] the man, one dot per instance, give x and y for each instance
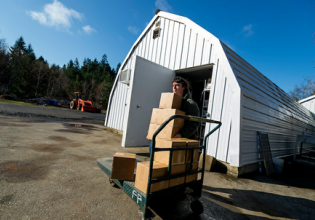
(180, 87)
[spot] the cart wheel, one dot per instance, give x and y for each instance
(112, 183)
(196, 207)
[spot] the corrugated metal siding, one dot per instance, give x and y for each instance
(267, 108)
(220, 108)
(181, 46)
(117, 107)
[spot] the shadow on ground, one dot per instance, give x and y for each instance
(294, 175)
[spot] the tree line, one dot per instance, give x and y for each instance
(22, 74)
(304, 90)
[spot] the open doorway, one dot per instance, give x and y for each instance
(199, 79)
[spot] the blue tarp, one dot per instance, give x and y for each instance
(52, 102)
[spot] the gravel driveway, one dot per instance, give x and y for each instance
(48, 171)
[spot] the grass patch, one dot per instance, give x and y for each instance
(4, 101)
(10, 101)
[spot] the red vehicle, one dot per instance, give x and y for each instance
(80, 103)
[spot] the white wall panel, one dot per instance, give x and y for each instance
(180, 46)
(199, 50)
(151, 43)
(165, 42)
(145, 45)
(148, 43)
(216, 113)
(168, 48)
(192, 48)
(225, 131)
(139, 48)
(185, 48)
(206, 52)
(117, 109)
(173, 54)
(160, 41)
(155, 44)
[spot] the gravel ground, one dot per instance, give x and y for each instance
(48, 171)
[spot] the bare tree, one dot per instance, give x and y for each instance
(40, 69)
(93, 86)
(304, 90)
(60, 83)
(85, 86)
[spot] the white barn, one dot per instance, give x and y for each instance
(239, 96)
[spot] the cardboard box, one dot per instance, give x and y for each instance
(163, 156)
(192, 177)
(166, 133)
(123, 166)
(170, 101)
(192, 143)
(159, 170)
(160, 115)
(176, 170)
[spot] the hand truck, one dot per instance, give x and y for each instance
(142, 199)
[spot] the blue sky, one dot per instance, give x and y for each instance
(273, 36)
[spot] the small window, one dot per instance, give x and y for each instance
(156, 32)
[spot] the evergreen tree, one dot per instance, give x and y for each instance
(4, 64)
(30, 52)
(117, 68)
(106, 88)
(20, 45)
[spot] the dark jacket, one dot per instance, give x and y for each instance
(190, 108)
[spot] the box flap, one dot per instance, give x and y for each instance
(125, 155)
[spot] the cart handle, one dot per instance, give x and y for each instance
(189, 118)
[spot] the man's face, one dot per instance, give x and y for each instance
(178, 88)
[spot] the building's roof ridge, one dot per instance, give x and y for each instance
(306, 99)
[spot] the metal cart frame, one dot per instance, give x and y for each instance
(143, 200)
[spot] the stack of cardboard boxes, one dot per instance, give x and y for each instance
(170, 104)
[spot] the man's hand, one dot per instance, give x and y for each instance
(178, 136)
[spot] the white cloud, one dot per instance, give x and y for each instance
(248, 30)
(163, 5)
(133, 30)
(87, 29)
(56, 15)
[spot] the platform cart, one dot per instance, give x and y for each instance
(142, 199)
